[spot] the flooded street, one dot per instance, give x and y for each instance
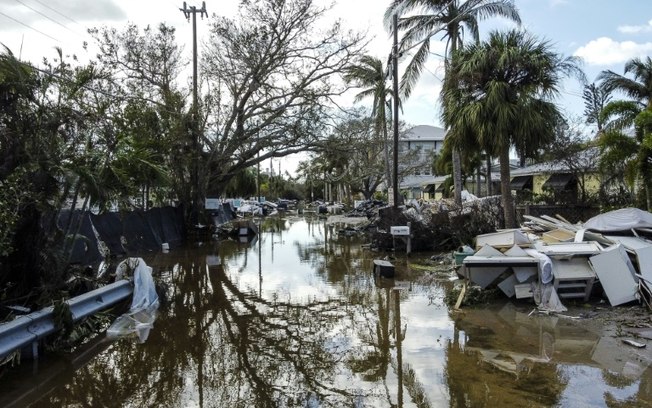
(295, 318)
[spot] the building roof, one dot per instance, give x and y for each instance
(424, 133)
(413, 181)
(587, 159)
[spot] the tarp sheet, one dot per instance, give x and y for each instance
(623, 219)
(118, 234)
(85, 246)
(144, 304)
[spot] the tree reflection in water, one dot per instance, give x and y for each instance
(296, 319)
(216, 344)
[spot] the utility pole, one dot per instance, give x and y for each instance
(258, 178)
(395, 100)
(187, 11)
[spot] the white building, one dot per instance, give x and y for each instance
(426, 141)
(417, 148)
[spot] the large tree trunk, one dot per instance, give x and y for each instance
(506, 192)
(457, 176)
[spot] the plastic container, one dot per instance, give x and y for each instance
(461, 253)
(459, 257)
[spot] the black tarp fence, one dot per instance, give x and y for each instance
(85, 249)
(124, 233)
(225, 213)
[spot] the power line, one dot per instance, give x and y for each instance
(173, 2)
(28, 26)
(44, 15)
(61, 14)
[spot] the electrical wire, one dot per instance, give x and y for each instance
(61, 14)
(28, 26)
(45, 15)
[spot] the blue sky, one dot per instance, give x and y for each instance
(606, 33)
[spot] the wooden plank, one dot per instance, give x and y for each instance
(570, 248)
(460, 297)
(558, 235)
(552, 219)
(541, 222)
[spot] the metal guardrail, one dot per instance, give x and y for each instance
(29, 329)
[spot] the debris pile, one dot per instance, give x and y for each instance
(550, 259)
(442, 226)
(368, 208)
(322, 207)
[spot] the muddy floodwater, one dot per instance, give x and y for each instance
(295, 318)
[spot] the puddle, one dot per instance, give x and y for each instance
(295, 318)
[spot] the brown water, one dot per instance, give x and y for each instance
(296, 319)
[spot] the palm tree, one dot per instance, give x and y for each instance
(618, 150)
(369, 73)
(595, 99)
(450, 18)
(638, 88)
(633, 155)
(505, 86)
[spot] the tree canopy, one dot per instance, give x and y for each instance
(506, 85)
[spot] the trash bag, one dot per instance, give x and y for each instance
(144, 304)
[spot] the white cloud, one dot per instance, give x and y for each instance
(636, 29)
(605, 51)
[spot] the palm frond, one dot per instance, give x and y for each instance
(619, 115)
(414, 68)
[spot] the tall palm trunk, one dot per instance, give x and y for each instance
(505, 191)
(647, 183)
(457, 175)
(478, 182)
(457, 161)
(488, 180)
